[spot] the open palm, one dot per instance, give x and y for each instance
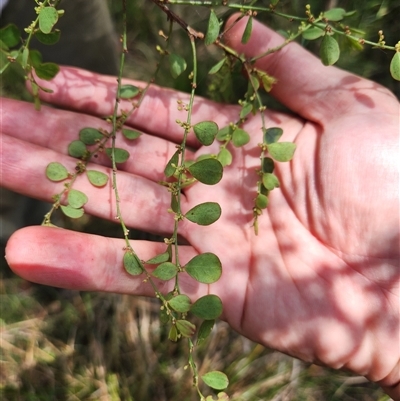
(319, 282)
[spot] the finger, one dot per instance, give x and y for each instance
(95, 94)
(312, 90)
(86, 262)
(141, 200)
(56, 129)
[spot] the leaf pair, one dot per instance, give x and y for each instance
(76, 201)
(208, 307)
(91, 136)
(279, 151)
(56, 172)
(205, 268)
(238, 136)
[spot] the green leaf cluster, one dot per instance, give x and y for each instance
(208, 308)
(205, 268)
(42, 29)
(277, 152)
(232, 134)
(75, 200)
(80, 148)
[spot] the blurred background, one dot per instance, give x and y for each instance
(67, 345)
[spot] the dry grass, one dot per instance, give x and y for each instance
(71, 346)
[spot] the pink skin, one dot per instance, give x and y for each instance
(321, 280)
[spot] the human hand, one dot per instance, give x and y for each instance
(321, 280)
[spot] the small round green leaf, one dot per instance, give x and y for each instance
(207, 171)
(217, 66)
(202, 157)
(72, 212)
(268, 165)
(48, 17)
(160, 258)
(97, 178)
(177, 65)
(165, 271)
(204, 214)
(224, 133)
(36, 58)
(208, 307)
(132, 264)
(216, 380)
(185, 328)
(272, 135)
(270, 181)
(353, 43)
(10, 35)
(225, 157)
(76, 199)
(25, 56)
(212, 29)
(90, 136)
(181, 303)
(128, 91)
(130, 133)
(247, 30)
(48, 38)
(261, 201)
(247, 108)
(164, 316)
(205, 268)
(174, 203)
(56, 172)
(335, 14)
(313, 33)
(329, 50)
(254, 82)
(264, 191)
(205, 132)
(395, 66)
(121, 155)
(205, 330)
(172, 164)
(77, 149)
(47, 71)
(282, 151)
(173, 333)
(240, 137)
